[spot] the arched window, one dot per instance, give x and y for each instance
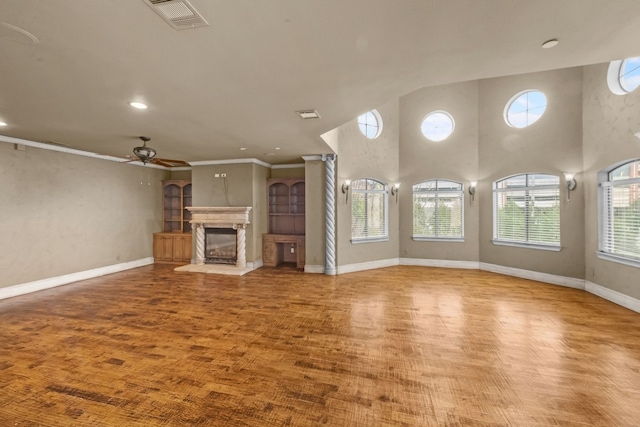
(438, 126)
(438, 210)
(619, 202)
(526, 211)
(369, 203)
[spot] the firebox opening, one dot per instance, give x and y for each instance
(220, 246)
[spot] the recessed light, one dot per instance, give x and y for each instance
(308, 114)
(243, 149)
(3, 124)
(550, 43)
(138, 105)
(277, 148)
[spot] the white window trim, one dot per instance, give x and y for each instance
(541, 246)
(603, 182)
(374, 239)
(419, 238)
(527, 245)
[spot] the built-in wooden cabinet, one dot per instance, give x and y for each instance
(173, 244)
(172, 248)
(176, 197)
(286, 210)
(286, 201)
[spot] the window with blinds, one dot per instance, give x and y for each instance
(368, 210)
(620, 208)
(527, 210)
(438, 210)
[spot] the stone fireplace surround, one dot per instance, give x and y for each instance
(219, 217)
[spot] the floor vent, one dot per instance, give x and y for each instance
(178, 13)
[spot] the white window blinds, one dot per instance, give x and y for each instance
(438, 210)
(620, 234)
(527, 209)
(368, 209)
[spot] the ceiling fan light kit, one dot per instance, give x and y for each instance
(144, 153)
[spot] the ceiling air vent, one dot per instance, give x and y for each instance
(178, 13)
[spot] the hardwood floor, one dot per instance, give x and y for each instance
(400, 346)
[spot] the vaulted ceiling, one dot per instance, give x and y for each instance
(238, 81)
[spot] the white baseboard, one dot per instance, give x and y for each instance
(614, 296)
(553, 279)
(52, 282)
(369, 265)
(314, 268)
(444, 263)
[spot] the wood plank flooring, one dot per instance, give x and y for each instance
(400, 346)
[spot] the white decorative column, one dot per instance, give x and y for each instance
(330, 207)
(199, 244)
(241, 241)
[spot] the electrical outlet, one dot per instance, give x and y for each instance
(217, 175)
(224, 175)
(293, 250)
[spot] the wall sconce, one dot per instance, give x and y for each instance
(472, 190)
(346, 185)
(571, 184)
(395, 189)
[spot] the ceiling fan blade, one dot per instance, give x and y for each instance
(173, 162)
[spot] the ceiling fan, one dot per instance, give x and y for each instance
(148, 155)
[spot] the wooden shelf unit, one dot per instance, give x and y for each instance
(285, 240)
(173, 244)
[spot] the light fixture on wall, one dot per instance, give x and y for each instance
(395, 189)
(472, 189)
(571, 184)
(346, 185)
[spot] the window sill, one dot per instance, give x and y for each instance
(438, 239)
(526, 245)
(369, 240)
(619, 259)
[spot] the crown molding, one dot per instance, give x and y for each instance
(294, 166)
(67, 150)
(230, 162)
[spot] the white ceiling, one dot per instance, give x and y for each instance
(237, 82)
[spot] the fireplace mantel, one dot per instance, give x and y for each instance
(221, 217)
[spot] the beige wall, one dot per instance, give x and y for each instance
(552, 145)
(63, 213)
(455, 159)
(315, 208)
(359, 157)
(610, 122)
(286, 172)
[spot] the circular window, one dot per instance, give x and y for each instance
(525, 108)
(630, 74)
(437, 126)
(370, 124)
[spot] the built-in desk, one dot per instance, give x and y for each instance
(279, 248)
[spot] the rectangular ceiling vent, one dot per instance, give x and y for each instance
(178, 13)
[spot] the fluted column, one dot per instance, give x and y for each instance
(241, 239)
(330, 208)
(199, 244)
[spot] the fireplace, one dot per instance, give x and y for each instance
(220, 246)
(220, 231)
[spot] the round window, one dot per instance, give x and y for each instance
(525, 108)
(630, 74)
(370, 124)
(437, 126)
